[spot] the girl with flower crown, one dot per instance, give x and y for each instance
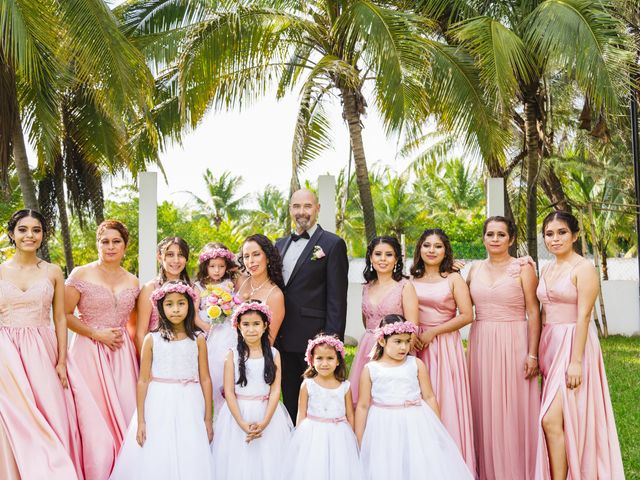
(397, 416)
(170, 432)
(214, 282)
(253, 428)
(323, 446)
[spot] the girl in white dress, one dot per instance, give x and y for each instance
(397, 422)
(253, 428)
(216, 265)
(170, 433)
(323, 446)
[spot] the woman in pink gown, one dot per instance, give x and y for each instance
(577, 435)
(444, 308)
(102, 352)
(386, 291)
(503, 357)
(39, 435)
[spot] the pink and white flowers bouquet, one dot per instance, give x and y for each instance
(220, 301)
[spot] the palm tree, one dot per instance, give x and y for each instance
(222, 202)
(365, 52)
(272, 213)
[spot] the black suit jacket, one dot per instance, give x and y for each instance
(316, 294)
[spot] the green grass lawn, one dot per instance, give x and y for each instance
(622, 362)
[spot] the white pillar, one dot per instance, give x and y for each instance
(327, 199)
(147, 225)
(495, 197)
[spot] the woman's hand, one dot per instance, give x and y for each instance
(531, 367)
(111, 337)
(427, 337)
(61, 370)
(141, 436)
(574, 375)
(209, 427)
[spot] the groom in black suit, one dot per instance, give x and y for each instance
(315, 269)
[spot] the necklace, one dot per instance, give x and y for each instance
(255, 289)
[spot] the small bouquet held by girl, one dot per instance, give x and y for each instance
(217, 302)
(170, 433)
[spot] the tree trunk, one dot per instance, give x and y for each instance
(351, 113)
(605, 265)
(533, 164)
(27, 185)
(553, 189)
(62, 216)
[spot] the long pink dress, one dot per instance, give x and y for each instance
(37, 415)
(111, 376)
(505, 404)
(591, 440)
(447, 366)
(372, 315)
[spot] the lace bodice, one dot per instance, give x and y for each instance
(326, 402)
(392, 303)
(28, 308)
(255, 375)
(175, 360)
(100, 308)
(394, 385)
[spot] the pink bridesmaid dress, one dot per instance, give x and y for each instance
(591, 440)
(37, 415)
(447, 366)
(372, 315)
(110, 376)
(505, 404)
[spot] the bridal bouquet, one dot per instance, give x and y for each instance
(220, 301)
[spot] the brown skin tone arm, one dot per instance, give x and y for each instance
(60, 324)
(348, 407)
(364, 401)
(146, 358)
(426, 390)
(276, 304)
(303, 401)
(529, 286)
(205, 384)
(143, 306)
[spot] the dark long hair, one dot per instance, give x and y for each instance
(274, 261)
(202, 275)
(418, 268)
(386, 320)
(341, 370)
(369, 272)
(184, 249)
(269, 373)
(19, 215)
(165, 327)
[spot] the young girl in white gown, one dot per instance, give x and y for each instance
(397, 422)
(170, 433)
(215, 268)
(253, 428)
(323, 446)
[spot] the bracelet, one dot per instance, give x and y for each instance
(533, 357)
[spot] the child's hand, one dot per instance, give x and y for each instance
(141, 436)
(209, 426)
(246, 427)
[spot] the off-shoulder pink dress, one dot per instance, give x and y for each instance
(591, 440)
(110, 376)
(372, 314)
(37, 415)
(505, 404)
(447, 366)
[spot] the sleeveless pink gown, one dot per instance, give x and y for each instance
(505, 405)
(111, 376)
(447, 365)
(591, 440)
(372, 315)
(39, 430)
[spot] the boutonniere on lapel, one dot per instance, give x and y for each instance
(317, 254)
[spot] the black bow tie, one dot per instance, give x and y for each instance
(295, 237)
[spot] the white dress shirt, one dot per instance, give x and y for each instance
(293, 254)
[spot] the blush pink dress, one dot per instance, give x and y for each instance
(447, 366)
(372, 315)
(37, 415)
(110, 376)
(591, 440)
(505, 404)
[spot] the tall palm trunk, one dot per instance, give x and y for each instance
(27, 185)
(351, 113)
(533, 167)
(61, 202)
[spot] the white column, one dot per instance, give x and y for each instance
(147, 225)
(495, 197)
(327, 199)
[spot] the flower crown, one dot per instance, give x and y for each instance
(216, 253)
(175, 287)
(394, 329)
(248, 306)
(323, 340)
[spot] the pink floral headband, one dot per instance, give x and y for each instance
(323, 340)
(394, 329)
(216, 253)
(175, 287)
(248, 306)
